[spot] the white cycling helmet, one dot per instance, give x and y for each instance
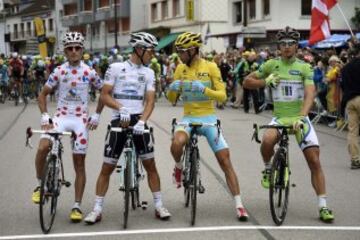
(73, 39)
(24, 57)
(143, 39)
(14, 54)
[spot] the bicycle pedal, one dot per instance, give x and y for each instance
(201, 189)
(144, 205)
(67, 184)
(122, 189)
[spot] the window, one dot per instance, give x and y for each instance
(111, 26)
(154, 12)
(104, 3)
(176, 8)
(252, 9)
(305, 7)
(125, 24)
(87, 5)
(164, 9)
(22, 29)
(15, 31)
(28, 28)
(238, 12)
(51, 24)
(266, 7)
(70, 9)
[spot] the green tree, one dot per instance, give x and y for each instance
(356, 18)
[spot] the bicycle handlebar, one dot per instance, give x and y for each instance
(256, 129)
(121, 129)
(30, 132)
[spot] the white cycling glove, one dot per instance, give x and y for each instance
(45, 119)
(94, 119)
(124, 114)
(139, 127)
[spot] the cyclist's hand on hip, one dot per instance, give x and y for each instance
(175, 86)
(299, 123)
(46, 122)
(197, 86)
(139, 127)
(93, 121)
(272, 80)
(124, 116)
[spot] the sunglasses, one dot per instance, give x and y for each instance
(71, 49)
(182, 50)
(287, 43)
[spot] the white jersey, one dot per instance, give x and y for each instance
(130, 83)
(73, 86)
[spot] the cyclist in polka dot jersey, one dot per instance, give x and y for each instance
(73, 81)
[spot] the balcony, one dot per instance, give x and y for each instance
(21, 36)
(86, 17)
(68, 1)
(104, 13)
(70, 20)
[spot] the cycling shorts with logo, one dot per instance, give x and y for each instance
(76, 124)
(217, 142)
(309, 139)
(115, 142)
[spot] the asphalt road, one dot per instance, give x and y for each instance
(216, 216)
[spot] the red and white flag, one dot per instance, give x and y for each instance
(320, 28)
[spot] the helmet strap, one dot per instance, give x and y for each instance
(140, 57)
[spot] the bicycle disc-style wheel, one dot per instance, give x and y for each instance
(48, 195)
(193, 185)
(127, 176)
(279, 188)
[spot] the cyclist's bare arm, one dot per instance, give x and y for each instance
(149, 105)
(252, 82)
(107, 99)
(42, 98)
(100, 106)
(309, 97)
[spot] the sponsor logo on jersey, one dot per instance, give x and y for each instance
(204, 74)
(141, 78)
(294, 72)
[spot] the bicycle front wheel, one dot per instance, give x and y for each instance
(194, 184)
(48, 195)
(127, 179)
(279, 187)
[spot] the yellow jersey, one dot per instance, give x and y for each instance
(199, 104)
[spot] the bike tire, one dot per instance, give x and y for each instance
(48, 195)
(279, 187)
(194, 185)
(127, 179)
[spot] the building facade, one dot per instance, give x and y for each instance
(98, 19)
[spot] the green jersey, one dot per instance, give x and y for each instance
(288, 96)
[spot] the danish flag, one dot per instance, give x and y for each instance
(320, 28)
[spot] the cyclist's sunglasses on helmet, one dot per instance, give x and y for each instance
(287, 43)
(72, 48)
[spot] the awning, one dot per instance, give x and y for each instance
(165, 41)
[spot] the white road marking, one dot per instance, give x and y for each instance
(177, 230)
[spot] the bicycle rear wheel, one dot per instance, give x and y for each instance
(48, 195)
(127, 179)
(279, 187)
(194, 184)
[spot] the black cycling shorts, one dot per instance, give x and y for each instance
(115, 142)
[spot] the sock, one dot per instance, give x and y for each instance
(99, 202)
(76, 205)
(267, 165)
(322, 201)
(238, 202)
(157, 199)
(179, 165)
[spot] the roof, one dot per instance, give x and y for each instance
(36, 7)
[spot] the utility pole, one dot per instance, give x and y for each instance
(116, 24)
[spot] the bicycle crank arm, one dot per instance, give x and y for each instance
(66, 183)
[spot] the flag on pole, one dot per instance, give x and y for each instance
(320, 28)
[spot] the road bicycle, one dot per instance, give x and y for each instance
(280, 172)
(131, 172)
(53, 177)
(191, 159)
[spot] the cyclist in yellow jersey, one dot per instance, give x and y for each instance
(200, 84)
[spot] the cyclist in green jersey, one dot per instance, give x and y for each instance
(293, 91)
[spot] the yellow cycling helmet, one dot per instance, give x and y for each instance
(188, 40)
(86, 56)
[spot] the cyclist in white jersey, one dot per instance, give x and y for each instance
(73, 79)
(129, 89)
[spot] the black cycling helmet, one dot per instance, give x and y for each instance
(288, 33)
